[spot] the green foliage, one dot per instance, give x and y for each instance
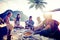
(37, 4)
(32, 6)
(23, 16)
(31, 1)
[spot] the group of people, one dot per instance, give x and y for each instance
(49, 27)
(46, 28)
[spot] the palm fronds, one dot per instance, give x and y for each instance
(37, 3)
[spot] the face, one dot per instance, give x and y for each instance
(38, 18)
(30, 18)
(19, 16)
(10, 15)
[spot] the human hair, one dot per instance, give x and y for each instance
(4, 15)
(18, 15)
(17, 18)
(30, 17)
(8, 13)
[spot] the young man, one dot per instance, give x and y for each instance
(29, 23)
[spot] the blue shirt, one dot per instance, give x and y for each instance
(29, 23)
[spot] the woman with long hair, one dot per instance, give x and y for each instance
(5, 30)
(17, 20)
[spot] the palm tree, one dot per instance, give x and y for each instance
(37, 4)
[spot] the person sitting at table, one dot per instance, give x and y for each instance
(38, 23)
(48, 27)
(17, 21)
(29, 23)
(38, 20)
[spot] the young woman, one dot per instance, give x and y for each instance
(17, 20)
(6, 27)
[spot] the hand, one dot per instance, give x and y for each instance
(9, 26)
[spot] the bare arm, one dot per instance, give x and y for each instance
(47, 27)
(39, 26)
(7, 20)
(9, 26)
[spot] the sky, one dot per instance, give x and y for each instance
(22, 5)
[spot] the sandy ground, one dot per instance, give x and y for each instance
(23, 24)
